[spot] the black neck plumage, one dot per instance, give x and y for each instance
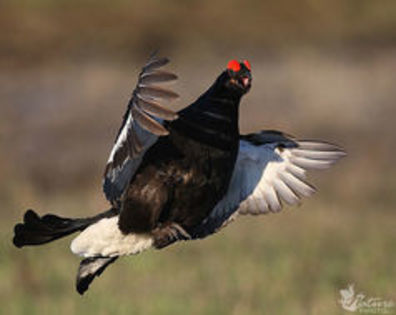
(212, 119)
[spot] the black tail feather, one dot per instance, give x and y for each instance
(36, 230)
(89, 269)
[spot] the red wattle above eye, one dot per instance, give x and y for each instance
(233, 65)
(247, 64)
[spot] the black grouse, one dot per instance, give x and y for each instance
(181, 176)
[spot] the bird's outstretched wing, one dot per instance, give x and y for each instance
(270, 170)
(141, 127)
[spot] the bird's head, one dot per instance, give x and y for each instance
(238, 77)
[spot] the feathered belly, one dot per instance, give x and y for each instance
(180, 181)
(196, 184)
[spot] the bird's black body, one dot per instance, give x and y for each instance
(177, 176)
(184, 174)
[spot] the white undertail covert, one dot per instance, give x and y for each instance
(104, 238)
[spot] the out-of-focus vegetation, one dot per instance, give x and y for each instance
(39, 31)
(322, 70)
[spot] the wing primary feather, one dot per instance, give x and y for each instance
(297, 184)
(148, 123)
(155, 63)
(296, 171)
(156, 92)
(319, 155)
(252, 206)
(272, 199)
(263, 205)
(285, 192)
(155, 109)
(318, 146)
(243, 208)
(157, 76)
(255, 209)
(311, 164)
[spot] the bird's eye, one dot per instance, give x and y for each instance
(234, 65)
(247, 64)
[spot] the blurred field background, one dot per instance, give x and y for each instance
(322, 69)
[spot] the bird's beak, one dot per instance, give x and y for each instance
(246, 81)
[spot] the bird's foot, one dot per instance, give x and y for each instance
(169, 233)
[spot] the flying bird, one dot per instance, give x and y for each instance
(174, 176)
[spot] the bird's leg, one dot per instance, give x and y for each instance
(169, 233)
